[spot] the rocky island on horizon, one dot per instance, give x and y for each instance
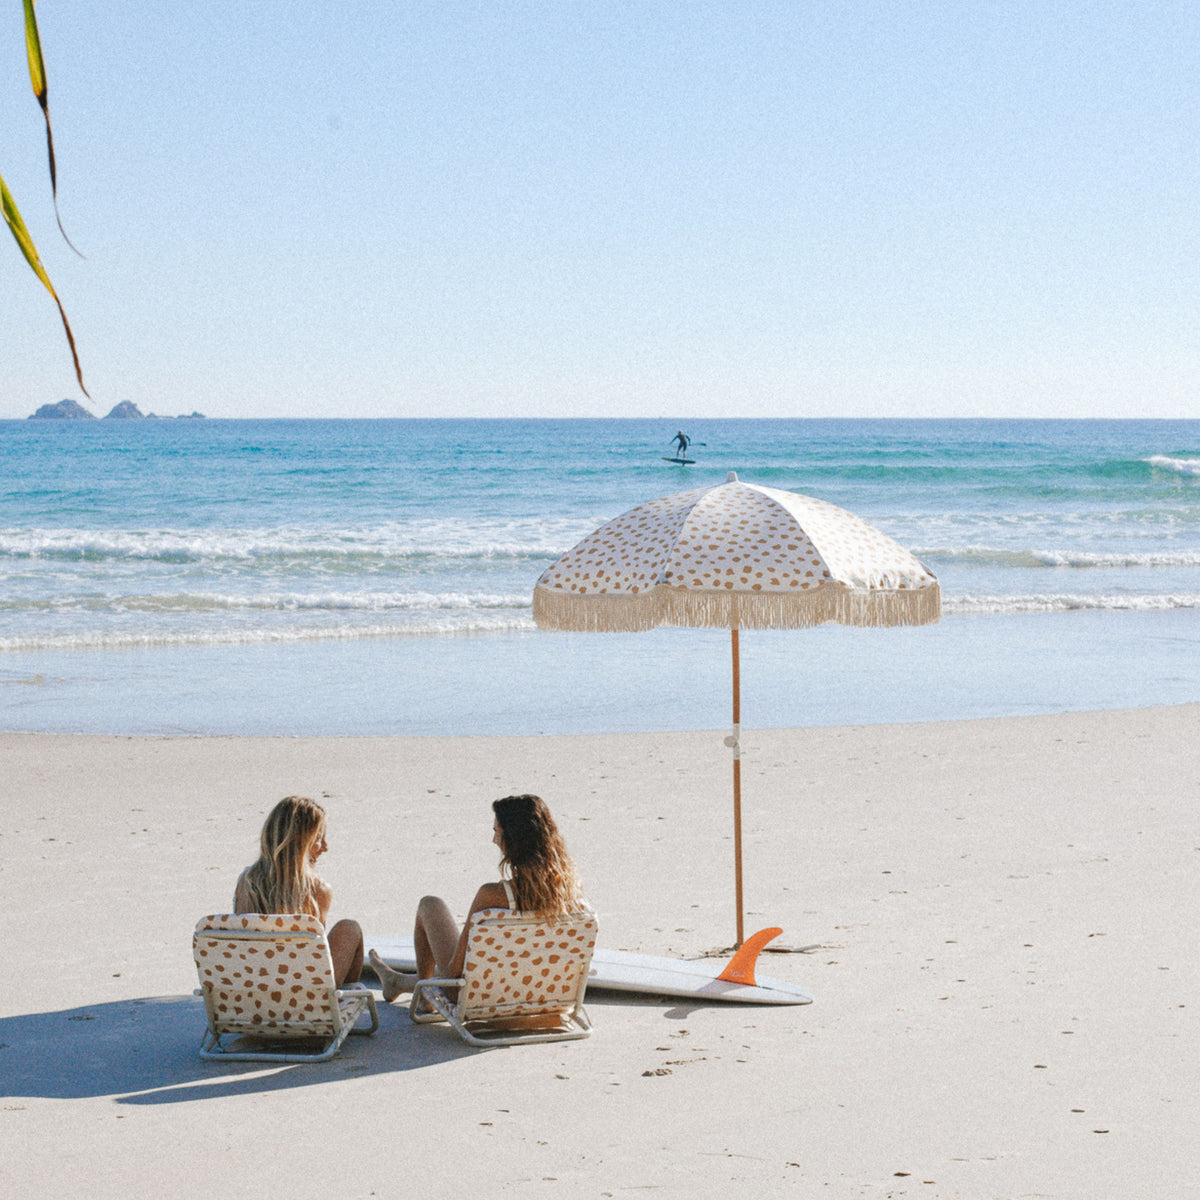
(72, 410)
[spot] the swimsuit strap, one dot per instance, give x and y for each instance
(509, 893)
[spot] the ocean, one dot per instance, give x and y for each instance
(366, 577)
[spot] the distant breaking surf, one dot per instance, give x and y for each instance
(1189, 467)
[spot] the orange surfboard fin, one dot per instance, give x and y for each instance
(740, 968)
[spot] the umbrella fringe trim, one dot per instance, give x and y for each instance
(665, 605)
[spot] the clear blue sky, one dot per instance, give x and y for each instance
(557, 208)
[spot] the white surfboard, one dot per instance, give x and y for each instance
(650, 974)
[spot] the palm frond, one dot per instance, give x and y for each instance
(37, 77)
(16, 224)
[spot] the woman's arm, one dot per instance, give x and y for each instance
(491, 895)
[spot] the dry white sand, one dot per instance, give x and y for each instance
(1005, 994)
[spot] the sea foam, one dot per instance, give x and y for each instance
(1188, 467)
(1053, 602)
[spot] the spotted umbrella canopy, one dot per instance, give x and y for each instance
(735, 556)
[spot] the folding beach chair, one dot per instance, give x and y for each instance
(523, 980)
(270, 978)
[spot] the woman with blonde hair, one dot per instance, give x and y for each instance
(283, 880)
(538, 877)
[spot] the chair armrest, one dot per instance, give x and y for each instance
(359, 992)
(435, 998)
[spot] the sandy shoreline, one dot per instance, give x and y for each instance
(1006, 910)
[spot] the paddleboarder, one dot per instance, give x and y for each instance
(683, 441)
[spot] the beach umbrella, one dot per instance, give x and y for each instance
(735, 556)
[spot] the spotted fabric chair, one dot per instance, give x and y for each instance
(523, 980)
(269, 978)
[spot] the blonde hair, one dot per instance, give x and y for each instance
(535, 857)
(282, 880)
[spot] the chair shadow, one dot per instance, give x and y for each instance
(146, 1051)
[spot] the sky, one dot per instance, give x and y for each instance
(668, 208)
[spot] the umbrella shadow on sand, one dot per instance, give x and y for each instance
(145, 1052)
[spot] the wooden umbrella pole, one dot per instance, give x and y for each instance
(737, 780)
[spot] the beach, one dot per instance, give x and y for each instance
(856, 349)
(1003, 986)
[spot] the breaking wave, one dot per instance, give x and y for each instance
(1033, 559)
(440, 540)
(1187, 467)
(983, 605)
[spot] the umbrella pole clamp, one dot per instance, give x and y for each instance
(734, 741)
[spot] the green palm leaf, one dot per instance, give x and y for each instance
(14, 221)
(37, 77)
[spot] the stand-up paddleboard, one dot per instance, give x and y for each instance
(683, 462)
(648, 974)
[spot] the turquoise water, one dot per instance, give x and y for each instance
(375, 576)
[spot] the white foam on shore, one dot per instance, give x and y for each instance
(475, 623)
(461, 616)
(982, 605)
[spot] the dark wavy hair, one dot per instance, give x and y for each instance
(535, 856)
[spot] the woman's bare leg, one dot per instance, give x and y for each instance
(393, 982)
(346, 950)
(436, 938)
(435, 935)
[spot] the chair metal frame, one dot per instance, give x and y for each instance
(482, 1023)
(340, 1008)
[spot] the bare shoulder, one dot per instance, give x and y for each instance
(490, 895)
(324, 897)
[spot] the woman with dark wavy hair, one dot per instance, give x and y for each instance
(284, 880)
(537, 877)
